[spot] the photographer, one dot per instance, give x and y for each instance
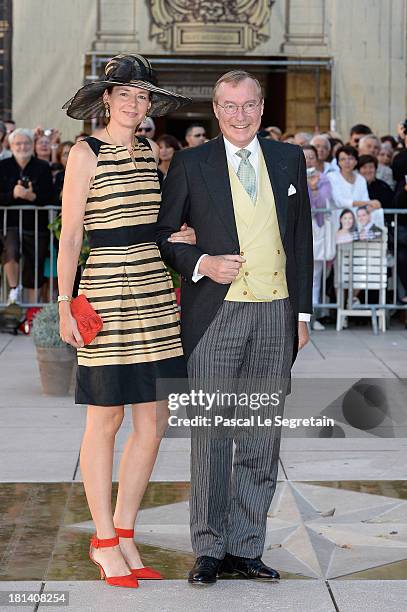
(24, 181)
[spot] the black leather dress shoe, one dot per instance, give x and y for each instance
(253, 569)
(204, 571)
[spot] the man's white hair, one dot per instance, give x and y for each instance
(369, 137)
(322, 137)
(21, 132)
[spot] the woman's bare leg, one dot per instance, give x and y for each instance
(150, 421)
(96, 461)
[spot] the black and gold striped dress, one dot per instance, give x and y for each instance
(127, 284)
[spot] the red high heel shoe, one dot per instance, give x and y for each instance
(143, 573)
(130, 580)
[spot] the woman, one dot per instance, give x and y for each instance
(320, 195)
(168, 145)
(349, 188)
(111, 188)
(62, 158)
(347, 231)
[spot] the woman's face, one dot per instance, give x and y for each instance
(310, 158)
(368, 171)
(128, 105)
(385, 156)
(64, 154)
(346, 162)
(43, 147)
(347, 221)
(166, 152)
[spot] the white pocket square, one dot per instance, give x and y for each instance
(291, 190)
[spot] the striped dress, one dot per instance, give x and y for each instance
(127, 284)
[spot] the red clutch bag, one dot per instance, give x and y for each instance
(88, 321)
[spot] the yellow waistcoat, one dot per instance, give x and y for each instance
(262, 278)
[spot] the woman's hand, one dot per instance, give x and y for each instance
(186, 235)
(313, 181)
(68, 329)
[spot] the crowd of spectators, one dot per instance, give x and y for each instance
(351, 182)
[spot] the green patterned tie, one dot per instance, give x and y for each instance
(246, 173)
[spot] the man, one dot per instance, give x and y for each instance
(367, 229)
(323, 147)
(369, 145)
(195, 135)
(245, 283)
(302, 138)
(25, 180)
(356, 133)
(146, 128)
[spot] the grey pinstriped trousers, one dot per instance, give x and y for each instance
(232, 487)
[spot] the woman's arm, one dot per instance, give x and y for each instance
(79, 172)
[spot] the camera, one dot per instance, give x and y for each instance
(47, 132)
(25, 180)
(311, 172)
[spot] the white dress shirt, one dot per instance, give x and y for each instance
(234, 161)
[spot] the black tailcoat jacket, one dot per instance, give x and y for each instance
(197, 191)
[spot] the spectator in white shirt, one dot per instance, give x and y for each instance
(349, 188)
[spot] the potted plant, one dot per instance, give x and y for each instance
(56, 359)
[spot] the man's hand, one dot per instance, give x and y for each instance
(222, 269)
(303, 335)
(186, 235)
(30, 195)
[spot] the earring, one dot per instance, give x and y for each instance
(107, 110)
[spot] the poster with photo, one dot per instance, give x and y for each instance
(359, 224)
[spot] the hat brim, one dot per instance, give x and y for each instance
(87, 103)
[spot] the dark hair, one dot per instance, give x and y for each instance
(192, 126)
(66, 143)
(349, 150)
(169, 141)
(362, 208)
(367, 159)
(360, 128)
(389, 138)
(344, 212)
(310, 147)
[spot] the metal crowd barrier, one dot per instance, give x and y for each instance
(362, 265)
(53, 212)
(330, 216)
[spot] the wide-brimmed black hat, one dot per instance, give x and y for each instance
(130, 70)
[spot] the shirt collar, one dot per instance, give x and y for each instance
(231, 149)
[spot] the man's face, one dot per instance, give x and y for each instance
(22, 147)
(354, 140)
(369, 147)
(146, 130)
(196, 136)
(322, 147)
(363, 217)
(240, 126)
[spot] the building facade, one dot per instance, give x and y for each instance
(322, 63)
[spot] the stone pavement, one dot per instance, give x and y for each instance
(337, 527)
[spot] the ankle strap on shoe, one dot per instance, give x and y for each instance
(107, 542)
(125, 533)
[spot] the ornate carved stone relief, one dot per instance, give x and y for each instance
(210, 26)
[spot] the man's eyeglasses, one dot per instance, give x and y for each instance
(203, 135)
(147, 129)
(247, 107)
